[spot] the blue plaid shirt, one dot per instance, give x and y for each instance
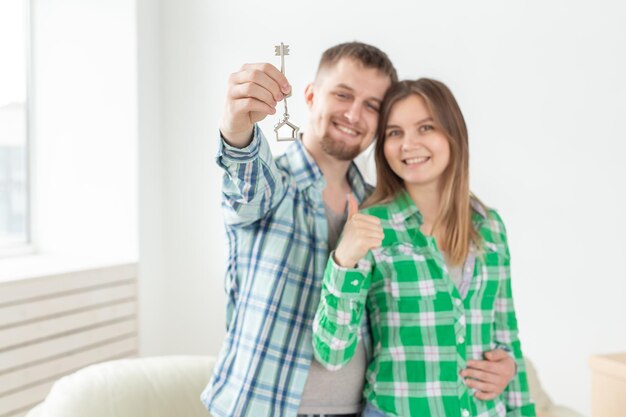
(278, 249)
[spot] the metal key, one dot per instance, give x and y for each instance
(283, 50)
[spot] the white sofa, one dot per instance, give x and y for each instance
(168, 386)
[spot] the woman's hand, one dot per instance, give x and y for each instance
(361, 233)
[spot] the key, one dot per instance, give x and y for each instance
(282, 50)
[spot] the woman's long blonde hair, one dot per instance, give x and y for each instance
(454, 223)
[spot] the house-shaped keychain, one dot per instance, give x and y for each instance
(290, 130)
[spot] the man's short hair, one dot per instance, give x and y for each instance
(369, 56)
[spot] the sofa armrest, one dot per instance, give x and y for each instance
(558, 411)
(153, 387)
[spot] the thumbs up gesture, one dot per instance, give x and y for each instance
(361, 233)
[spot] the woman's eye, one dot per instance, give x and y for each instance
(393, 133)
(426, 128)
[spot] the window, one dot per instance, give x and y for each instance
(14, 168)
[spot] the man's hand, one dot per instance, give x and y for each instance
(491, 376)
(360, 234)
(253, 93)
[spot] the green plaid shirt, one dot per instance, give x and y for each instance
(424, 328)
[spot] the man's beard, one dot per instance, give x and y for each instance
(340, 150)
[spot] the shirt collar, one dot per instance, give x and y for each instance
(306, 172)
(402, 208)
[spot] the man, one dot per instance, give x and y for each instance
(283, 217)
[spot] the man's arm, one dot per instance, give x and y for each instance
(490, 376)
(252, 183)
(253, 93)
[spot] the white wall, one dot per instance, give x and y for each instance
(150, 175)
(84, 129)
(541, 85)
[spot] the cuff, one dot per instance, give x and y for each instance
(509, 351)
(342, 281)
(227, 154)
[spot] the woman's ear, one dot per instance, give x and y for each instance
(309, 94)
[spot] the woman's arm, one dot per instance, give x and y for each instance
(517, 394)
(344, 289)
(338, 319)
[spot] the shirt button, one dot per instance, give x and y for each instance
(457, 301)
(465, 413)
(355, 282)
(461, 340)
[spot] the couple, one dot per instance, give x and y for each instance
(411, 311)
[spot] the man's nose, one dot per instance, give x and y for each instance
(353, 114)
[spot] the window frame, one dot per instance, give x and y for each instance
(26, 247)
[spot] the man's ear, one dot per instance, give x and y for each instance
(309, 94)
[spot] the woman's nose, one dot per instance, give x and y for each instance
(410, 143)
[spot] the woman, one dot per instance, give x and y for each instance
(430, 265)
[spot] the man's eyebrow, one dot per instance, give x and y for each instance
(347, 87)
(341, 85)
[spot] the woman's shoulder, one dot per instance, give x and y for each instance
(489, 223)
(484, 213)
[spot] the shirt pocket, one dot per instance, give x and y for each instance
(410, 273)
(494, 269)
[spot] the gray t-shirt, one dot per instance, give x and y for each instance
(335, 392)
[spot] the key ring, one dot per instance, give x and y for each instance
(282, 50)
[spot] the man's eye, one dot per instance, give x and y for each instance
(342, 96)
(373, 107)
